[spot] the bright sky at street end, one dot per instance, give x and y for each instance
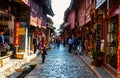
(59, 7)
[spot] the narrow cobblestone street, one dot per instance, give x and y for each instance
(60, 64)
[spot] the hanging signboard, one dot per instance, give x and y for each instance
(39, 22)
(33, 21)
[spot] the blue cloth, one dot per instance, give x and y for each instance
(2, 39)
(70, 41)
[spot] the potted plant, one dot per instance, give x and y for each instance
(97, 57)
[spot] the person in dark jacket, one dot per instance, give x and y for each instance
(35, 44)
(75, 44)
(70, 43)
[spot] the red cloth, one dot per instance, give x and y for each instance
(40, 44)
(91, 46)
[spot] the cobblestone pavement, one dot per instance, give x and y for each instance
(60, 64)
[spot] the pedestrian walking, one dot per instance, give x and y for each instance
(70, 42)
(42, 49)
(58, 42)
(80, 46)
(75, 44)
(43, 53)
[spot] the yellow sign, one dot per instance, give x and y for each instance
(21, 50)
(21, 31)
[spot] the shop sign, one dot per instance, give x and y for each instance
(39, 22)
(21, 31)
(99, 3)
(33, 21)
(16, 37)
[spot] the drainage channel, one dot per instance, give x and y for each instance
(27, 69)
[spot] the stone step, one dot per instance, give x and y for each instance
(9, 68)
(12, 65)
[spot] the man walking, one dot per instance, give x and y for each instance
(70, 42)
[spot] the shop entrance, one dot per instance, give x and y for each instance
(111, 42)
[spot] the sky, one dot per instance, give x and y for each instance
(59, 7)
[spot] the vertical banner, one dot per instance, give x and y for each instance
(16, 36)
(118, 53)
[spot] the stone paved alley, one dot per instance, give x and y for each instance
(60, 64)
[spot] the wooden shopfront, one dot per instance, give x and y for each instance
(112, 36)
(21, 12)
(7, 24)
